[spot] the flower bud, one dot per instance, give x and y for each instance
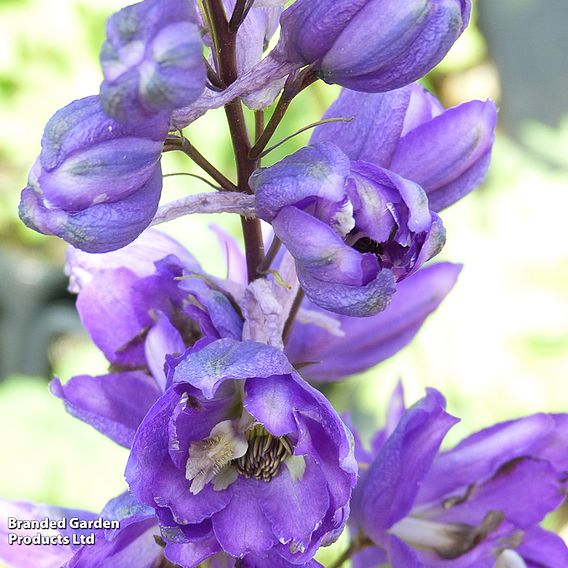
(445, 151)
(152, 60)
(97, 182)
(372, 45)
(354, 229)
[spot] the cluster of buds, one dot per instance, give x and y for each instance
(236, 459)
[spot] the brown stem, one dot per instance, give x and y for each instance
(239, 14)
(241, 144)
(225, 43)
(258, 124)
(270, 255)
(214, 79)
(301, 131)
(292, 315)
(185, 146)
(354, 547)
(294, 86)
(271, 127)
(254, 246)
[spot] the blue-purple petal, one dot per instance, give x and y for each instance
(368, 341)
(543, 548)
(306, 502)
(228, 359)
(388, 489)
(480, 456)
(456, 156)
(114, 404)
(242, 527)
(375, 129)
(100, 228)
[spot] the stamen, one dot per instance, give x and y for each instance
(448, 540)
(458, 500)
(264, 455)
(209, 457)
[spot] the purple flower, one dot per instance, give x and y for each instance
(97, 182)
(446, 152)
(467, 507)
(152, 60)
(353, 228)
(139, 305)
(363, 342)
(55, 547)
(136, 543)
(231, 450)
(371, 45)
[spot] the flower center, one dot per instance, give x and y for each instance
(264, 455)
(365, 244)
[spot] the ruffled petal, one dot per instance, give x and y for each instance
(295, 507)
(350, 300)
(171, 490)
(114, 404)
(150, 448)
(537, 481)
(319, 250)
(192, 554)
(106, 304)
(315, 173)
(544, 548)
(479, 456)
(139, 257)
(162, 339)
(242, 528)
(227, 359)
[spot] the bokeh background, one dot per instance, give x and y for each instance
(497, 348)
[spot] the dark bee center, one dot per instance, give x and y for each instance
(264, 455)
(365, 244)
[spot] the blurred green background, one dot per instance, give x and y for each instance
(497, 348)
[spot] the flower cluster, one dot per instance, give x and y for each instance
(236, 459)
(478, 504)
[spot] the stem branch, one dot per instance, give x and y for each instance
(270, 255)
(292, 315)
(185, 146)
(222, 202)
(354, 547)
(294, 86)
